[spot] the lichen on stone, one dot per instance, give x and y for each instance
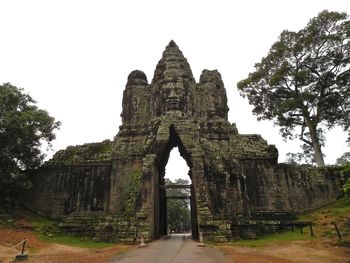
(86, 152)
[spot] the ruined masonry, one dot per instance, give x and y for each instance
(113, 190)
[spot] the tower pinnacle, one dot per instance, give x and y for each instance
(172, 65)
(172, 43)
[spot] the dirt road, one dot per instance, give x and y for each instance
(176, 249)
(173, 250)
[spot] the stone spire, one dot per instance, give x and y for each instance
(173, 65)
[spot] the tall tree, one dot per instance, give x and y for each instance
(23, 128)
(344, 159)
(303, 82)
(178, 210)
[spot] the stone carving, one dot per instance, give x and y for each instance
(236, 181)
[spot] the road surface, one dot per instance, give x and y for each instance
(176, 249)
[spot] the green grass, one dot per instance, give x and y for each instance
(42, 224)
(75, 241)
(47, 230)
(276, 238)
(340, 208)
(323, 219)
(338, 212)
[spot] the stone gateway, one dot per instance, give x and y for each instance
(115, 190)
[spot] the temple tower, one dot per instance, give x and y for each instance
(174, 110)
(115, 190)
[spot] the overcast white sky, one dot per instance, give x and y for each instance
(74, 57)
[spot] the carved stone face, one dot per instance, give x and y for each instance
(174, 95)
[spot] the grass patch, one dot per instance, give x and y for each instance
(42, 224)
(323, 219)
(47, 230)
(340, 208)
(276, 238)
(75, 241)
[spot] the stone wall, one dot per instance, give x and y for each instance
(79, 194)
(278, 193)
(61, 189)
(114, 190)
(286, 187)
(307, 189)
(89, 152)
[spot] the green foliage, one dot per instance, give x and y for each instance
(304, 80)
(133, 195)
(346, 168)
(344, 162)
(344, 159)
(346, 186)
(178, 210)
(23, 129)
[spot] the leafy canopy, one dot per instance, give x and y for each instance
(344, 159)
(178, 210)
(23, 128)
(303, 82)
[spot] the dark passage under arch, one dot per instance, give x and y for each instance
(161, 224)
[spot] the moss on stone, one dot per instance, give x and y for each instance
(86, 152)
(134, 194)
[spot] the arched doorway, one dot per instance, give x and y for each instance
(177, 185)
(161, 198)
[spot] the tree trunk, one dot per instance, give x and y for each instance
(316, 146)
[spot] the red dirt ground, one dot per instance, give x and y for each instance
(296, 251)
(42, 252)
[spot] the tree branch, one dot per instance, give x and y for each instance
(302, 134)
